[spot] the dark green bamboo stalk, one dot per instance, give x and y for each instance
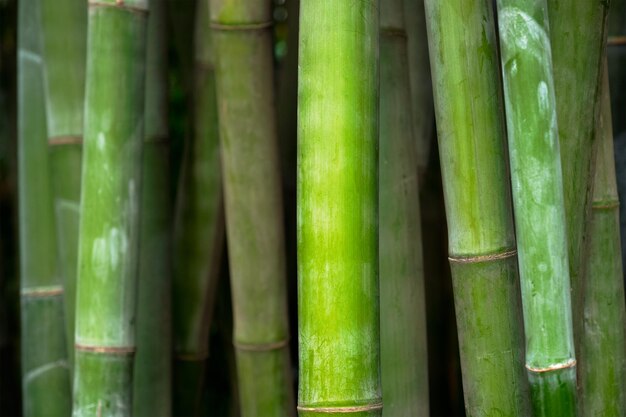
(480, 228)
(153, 363)
(603, 373)
(45, 374)
(199, 231)
(338, 306)
(64, 27)
(253, 204)
(109, 235)
(404, 363)
(539, 207)
(578, 36)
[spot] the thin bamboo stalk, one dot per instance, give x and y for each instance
(482, 257)
(603, 373)
(199, 231)
(539, 207)
(253, 204)
(45, 375)
(153, 365)
(337, 209)
(64, 30)
(404, 362)
(109, 235)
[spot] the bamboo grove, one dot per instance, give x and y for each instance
(271, 208)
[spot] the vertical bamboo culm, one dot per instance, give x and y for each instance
(45, 374)
(109, 235)
(472, 151)
(337, 209)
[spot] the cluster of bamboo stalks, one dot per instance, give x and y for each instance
(122, 246)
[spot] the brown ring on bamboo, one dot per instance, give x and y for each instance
(605, 205)
(157, 139)
(114, 350)
(344, 409)
(242, 27)
(65, 140)
(261, 347)
(564, 365)
(40, 292)
(616, 41)
(483, 258)
(399, 33)
(118, 5)
(191, 357)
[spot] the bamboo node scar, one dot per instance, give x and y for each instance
(616, 41)
(41, 292)
(119, 5)
(65, 140)
(605, 205)
(113, 350)
(483, 258)
(555, 367)
(400, 33)
(261, 347)
(343, 409)
(241, 26)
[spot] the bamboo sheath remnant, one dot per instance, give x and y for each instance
(471, 137)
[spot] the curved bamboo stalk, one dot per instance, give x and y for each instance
(152, 375)
(109, 235)
(603, 372)
(45, 376)
(476, 190)
(337, 206)
(404, 362)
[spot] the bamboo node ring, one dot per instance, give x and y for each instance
(555, 367)
(260, 347)
(616, 41)
(118, 5)
(41, 292)
(241, 26)
(114, 350)
(400, 33)
(605, 205)
(191, 357)
(65, 140)
(343, 409)
(483, 258)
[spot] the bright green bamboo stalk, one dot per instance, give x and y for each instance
(476, 189)
(578, 36)
(153, 362)
(404, 362)
(253, 204)
(199, 231)
(109, 233)
(539, 208)
(45, 375)
(338, 306)
(603, 372)
(64, 33)
(422, 112)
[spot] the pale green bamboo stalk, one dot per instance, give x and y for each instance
(109, 231)
(199, 230)
(337, 206)
(152, 377)
(244, 72)
(481, 238)
(404, 362)
(603, 372)
(64, 34)
(45, 375)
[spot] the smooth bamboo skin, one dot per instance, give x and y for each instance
(253, 204)
(152, 377)
(603, 372)
(64, 34)
(537, 187)
(422, 110)
(199, 240)
(476, 190)
(337, 209)
(404, 362)
(577, 79)
(45, 375)
(109, 236)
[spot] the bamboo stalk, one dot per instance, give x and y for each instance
(253, 204)
(64, 32)
(337, 209)
(404, 362)
(153, 366)
(471, 136)
(199, 234)
(603, 373)
(109, 235)
(45, 375)
(539, 207)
